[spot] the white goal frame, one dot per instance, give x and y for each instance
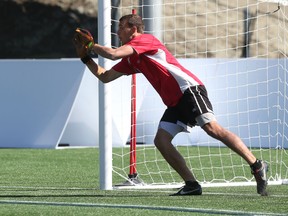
(105, 121)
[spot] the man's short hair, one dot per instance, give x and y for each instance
(134, 20)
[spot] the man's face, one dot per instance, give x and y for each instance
(125, 32)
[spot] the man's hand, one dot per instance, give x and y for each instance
(82, 40)
(80, 48)
(84, 37)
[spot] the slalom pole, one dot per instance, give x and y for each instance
(133, 172)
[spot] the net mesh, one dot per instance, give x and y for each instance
(249, 95)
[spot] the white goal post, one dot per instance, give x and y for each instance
(239, 50)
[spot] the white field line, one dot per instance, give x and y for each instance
(143, 207)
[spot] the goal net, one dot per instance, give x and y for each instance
(239, 50)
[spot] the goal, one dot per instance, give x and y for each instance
(239, 50)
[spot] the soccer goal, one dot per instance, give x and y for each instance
(239, 50)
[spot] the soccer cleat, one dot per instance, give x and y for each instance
(261, 178)
(186, 190)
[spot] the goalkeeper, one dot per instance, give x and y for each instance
(182, 92)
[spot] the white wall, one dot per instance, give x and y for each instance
(47, 102)
(36, 100)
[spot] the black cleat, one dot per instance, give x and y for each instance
(261, 178)
(186, 190)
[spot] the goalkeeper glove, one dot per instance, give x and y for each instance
(84, 37)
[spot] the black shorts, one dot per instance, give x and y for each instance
(194, 102)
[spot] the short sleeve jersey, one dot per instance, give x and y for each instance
(159, 66)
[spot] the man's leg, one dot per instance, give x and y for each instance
(176, 161)
(229, 139)
(171, 155)
(258, 167)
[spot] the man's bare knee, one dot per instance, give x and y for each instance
(162, 138)
(157, 141)
(214, 130)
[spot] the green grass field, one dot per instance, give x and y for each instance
(66, 182)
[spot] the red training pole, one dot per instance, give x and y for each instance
(133, 172)
(133, 127)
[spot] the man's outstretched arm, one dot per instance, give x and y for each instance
(103, 75)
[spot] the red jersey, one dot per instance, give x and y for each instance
(159, 66)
